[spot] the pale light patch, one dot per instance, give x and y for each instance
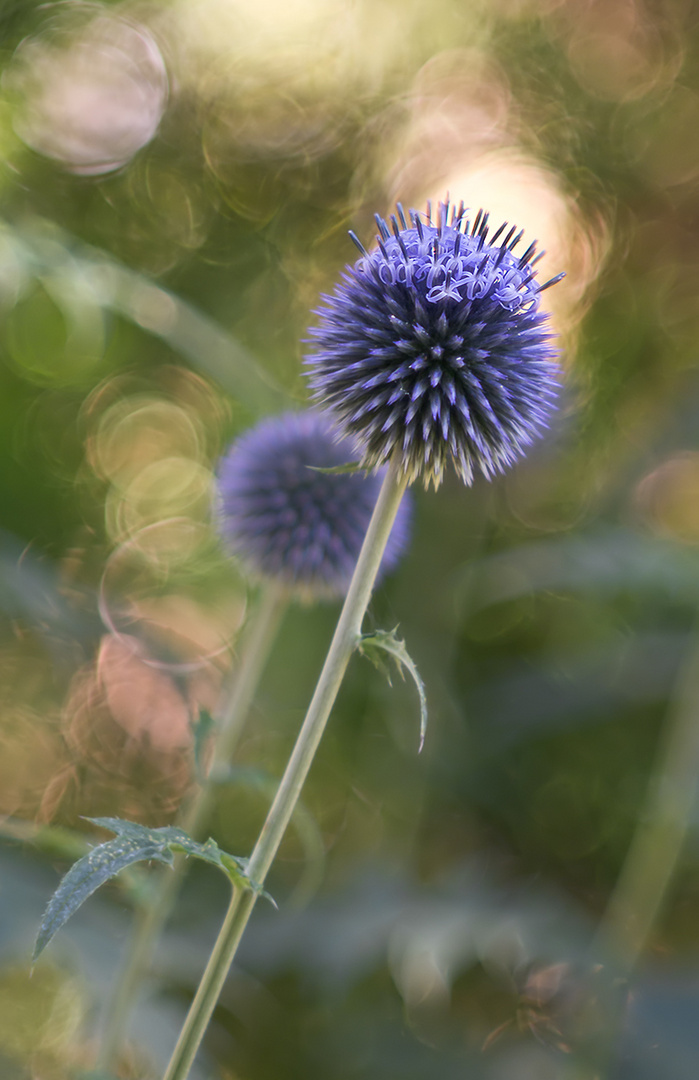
(513, 186)
(668, 498)
(92, 89)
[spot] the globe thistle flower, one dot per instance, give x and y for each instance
(290, 523)
(432, 347)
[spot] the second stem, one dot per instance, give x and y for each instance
(344, 642)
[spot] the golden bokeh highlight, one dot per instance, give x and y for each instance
(667, 499)
(31, 755)
(282, 80)
(459, 140)
(617, 50)
(142, 599)
(514, 186)
(141, 429)
(164, 489)
(41, 1015)
(153, 448)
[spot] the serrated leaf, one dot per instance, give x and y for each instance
(85, 876)
(133, 843)
(339, 470)
(373, 645)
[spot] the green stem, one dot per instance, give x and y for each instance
(152, 916)
(652, 859)
(343, 644)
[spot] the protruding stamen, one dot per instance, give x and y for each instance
(528, 253)
(477, 222)
(497, 232)
(551, 281)
(517, 239)
(382, 226)
(401, 215)
(357, 242)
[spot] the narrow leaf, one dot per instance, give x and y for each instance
(202, 728)
(374, 644)
(339, 470)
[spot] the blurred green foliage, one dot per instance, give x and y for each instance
(156, 284)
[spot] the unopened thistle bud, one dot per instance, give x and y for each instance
(289, 522)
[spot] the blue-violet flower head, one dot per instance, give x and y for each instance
(290, 523)
(432, 348)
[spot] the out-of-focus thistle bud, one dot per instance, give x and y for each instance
(291, 523)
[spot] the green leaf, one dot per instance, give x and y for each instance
(133, 843)
(378, 642)
(339, 470)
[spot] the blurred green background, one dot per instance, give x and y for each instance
(176, 187)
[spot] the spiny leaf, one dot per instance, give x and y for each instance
(133, 843)
(374, 644)
(86, 875)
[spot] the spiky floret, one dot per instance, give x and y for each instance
(433, 348)
(290, 523)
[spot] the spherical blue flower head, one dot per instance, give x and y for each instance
(433, 347)
(295, 525)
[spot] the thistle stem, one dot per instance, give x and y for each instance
(153, 914)
(650, 865)
(343, 644)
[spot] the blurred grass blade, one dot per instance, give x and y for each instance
(44, 251)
